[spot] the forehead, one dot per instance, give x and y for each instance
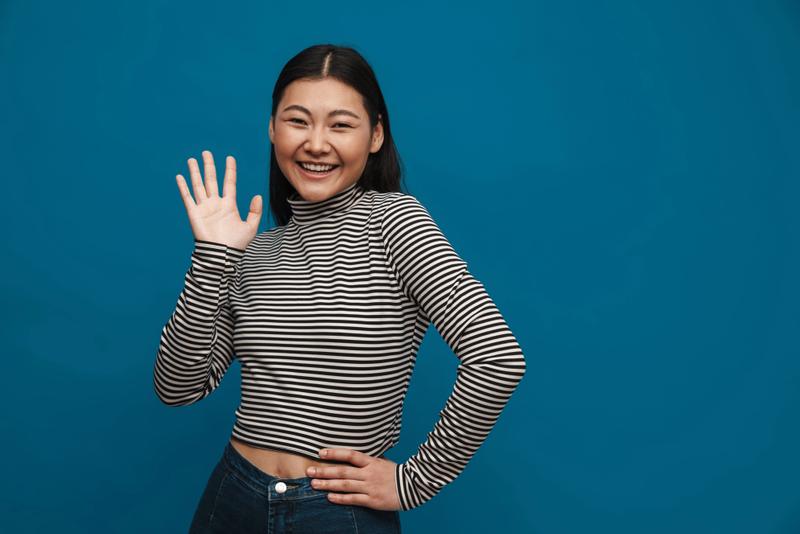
(322, 95)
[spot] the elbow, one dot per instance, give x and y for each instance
(166, 401)
(521, 363)
(175, 401)
(515, 364)
(171, 394)
(511, 368)
(163, 395)
(514, 368)
(510, 363)
(502, 371)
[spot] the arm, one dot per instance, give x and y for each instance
(196, 347)
(491, 363)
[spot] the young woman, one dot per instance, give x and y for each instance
(325, 313)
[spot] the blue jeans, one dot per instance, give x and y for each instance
(241, 498)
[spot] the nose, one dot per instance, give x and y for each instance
(317, 141)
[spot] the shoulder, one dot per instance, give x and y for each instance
(268, 236)
(389, 206)
(403, 218)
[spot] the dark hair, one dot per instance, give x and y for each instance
(383, 168)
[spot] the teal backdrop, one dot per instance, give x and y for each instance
(623, 177)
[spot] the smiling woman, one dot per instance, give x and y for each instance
(321, 137)
(325, 313)
(328, 109)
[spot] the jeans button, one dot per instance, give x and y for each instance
(280, 487)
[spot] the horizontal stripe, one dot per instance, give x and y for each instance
(326, 315)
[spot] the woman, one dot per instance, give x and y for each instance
(325, 313)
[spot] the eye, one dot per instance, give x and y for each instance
(343, 124)
(296, 119)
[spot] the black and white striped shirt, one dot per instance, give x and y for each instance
(326, 315)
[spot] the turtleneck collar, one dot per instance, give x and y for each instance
(307, 211)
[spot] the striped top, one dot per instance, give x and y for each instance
(325, 315)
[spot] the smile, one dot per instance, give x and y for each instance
(316, 173)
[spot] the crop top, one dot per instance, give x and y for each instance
(325, 315)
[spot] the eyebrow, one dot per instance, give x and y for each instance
(331, 114)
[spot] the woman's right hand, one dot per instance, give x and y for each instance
(214, 218)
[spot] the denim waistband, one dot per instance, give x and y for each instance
(264, 483)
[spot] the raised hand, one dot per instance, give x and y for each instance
(214, 218)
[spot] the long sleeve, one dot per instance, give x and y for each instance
(491, 363)
(196, 347)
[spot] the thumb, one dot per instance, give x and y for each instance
(256, 208)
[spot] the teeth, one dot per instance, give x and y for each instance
(317, 168)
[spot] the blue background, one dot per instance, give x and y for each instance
(622, 176)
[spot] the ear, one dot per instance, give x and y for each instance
(272, 129)
(377, 136)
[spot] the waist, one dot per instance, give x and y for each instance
(276, 463)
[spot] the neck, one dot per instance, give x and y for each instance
(308, 211)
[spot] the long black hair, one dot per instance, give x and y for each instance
(383, 168)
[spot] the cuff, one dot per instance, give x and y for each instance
(212, 256)
(409, 498)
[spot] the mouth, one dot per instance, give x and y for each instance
(311, 173)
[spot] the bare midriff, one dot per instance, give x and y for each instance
(278, 463)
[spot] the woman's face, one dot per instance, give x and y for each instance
(322, 121)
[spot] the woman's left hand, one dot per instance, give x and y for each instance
(369, 482)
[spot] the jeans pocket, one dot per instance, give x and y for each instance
(207, 505)
(220, 489)
(238, 507)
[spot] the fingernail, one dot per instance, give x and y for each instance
(311, 470)
(323, 452)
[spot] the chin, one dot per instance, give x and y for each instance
(316, 191)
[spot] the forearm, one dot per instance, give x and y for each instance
(196, 345)
(491, 367)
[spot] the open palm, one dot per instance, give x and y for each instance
(214, 218)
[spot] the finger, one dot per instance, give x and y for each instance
(229, 182)
(197, 181)
(212, 189)
(188, 201)
(256, 209)
(347, 455)
(345, 485)
(360, 499)
(336, 471)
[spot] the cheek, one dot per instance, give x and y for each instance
(354, 152)
(282, 149)
(287, 140)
